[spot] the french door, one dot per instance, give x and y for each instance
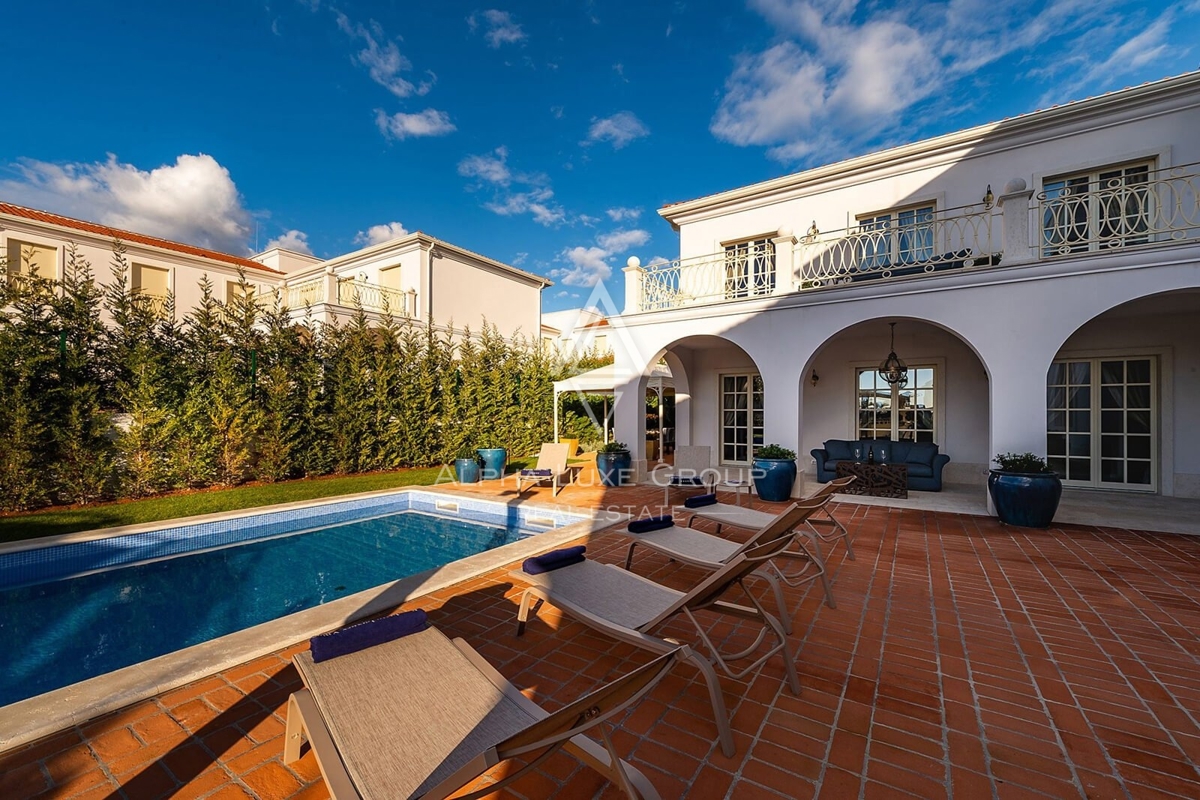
(741, 417)
(1102, 422)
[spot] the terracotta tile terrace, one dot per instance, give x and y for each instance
(964, 659)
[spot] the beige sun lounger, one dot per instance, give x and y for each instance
(713, 552)
(552, 457)
(692, 469)
(752, 519)
(423, 716)
(629, 608)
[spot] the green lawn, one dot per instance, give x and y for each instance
(107, 515)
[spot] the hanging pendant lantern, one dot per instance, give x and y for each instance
(894, 371)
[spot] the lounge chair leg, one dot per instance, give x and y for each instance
(829, 601)
(293, 735)
(789, 664)
(777, 588)
(629, 555)
(523, 611)
(724, 734)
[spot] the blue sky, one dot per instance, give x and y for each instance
(543, 135)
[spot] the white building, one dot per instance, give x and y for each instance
(1043, 273)
(576, 332)
(416, 277)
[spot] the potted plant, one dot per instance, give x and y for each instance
(466, 466)
(613, 462)
(1024, 490)
(774, 473)
(493, 460)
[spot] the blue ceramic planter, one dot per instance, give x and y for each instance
(466, 470)
(774, 478)
(1025, 499)
(613, 467)
(494, 459)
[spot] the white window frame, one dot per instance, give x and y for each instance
(938, 365)
(873, 234)
(1093, 197)
(750, 375)
(756, 265)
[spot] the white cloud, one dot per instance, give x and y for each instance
(622, 241)
(563, 293)
(378, 234)
(620, 129)
(501, 29)
(519, 259)
(383, 59)
(193, 200)
(588, 267)
(429, 122)
(622, 213)
(296, 241)
(489, 168)
(841, 74)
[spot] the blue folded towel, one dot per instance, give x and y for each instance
(554, 560)
(651, 524)
(536, 473)
(679, 481)
(701, 500)
(366, 634)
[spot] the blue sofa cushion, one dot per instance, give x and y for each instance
(839, 450)
(919, 470)
(921, 453)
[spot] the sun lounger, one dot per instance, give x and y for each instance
(692, 469)
(712, 552)
(630, 608)
(424, 716)
(551, 466)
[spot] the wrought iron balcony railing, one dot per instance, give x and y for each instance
(743, 270)
(952, 239)
(1119, 208)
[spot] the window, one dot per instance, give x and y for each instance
(749, 268)
(153, 283)
(1101, 421)
(1100, 210)
(901, 413)
(900, 236)
(233, 291)
(741, 417)
(24, 257)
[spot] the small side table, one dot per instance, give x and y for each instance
(736, 487)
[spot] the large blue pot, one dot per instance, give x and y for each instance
(466, 470)
(1025, 499)
(774, 478)
(494, 459)
(614, 467)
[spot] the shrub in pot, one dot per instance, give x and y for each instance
(493, 460)
(466, 467)
(774, 473)
(1024, 490)
(614, 463)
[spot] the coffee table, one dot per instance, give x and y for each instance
(876, 480)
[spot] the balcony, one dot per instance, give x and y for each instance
(737, 272)
(348, 293)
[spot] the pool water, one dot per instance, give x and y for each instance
(63, 631)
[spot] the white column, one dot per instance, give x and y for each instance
(781, 414)
(1014, 203)
(785, 256)
(331, 286)
(629, 422)
(633, 285)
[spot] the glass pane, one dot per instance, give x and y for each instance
(740, 401)
(1137, 421)
(1059, 465)
(1112, 446)
(866, 379)
(758, 419)
(1112, 371)
(925, 421)
(1079, 469)
(1056, 397)
(1112, 397)
(1112, 422)
(740, 418)
(1138, 472)
(906, 436)
(1056, 421)
(1138, 371)
(758, 384)
(1057, 375)
(728, 418)
(739, 383)
(727, 383)
(1079, 421)
(1081, 373)
(741, 436)
(1081, 444)
(924, 379)
(727, 453)
(925, 398)
(1112, 471)
(1081, 397)
(1137, 397)
(1056, 444)
(924, 436)
(1139, 446)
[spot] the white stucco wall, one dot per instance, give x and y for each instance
(467, 293)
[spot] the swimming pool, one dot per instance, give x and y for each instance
(76, 610)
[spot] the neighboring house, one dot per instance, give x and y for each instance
(418, 278)
(576, 332)
(1043, 273)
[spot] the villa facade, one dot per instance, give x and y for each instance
(1043, 275)
(416, 277)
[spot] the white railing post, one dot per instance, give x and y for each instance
(785, 261)
(330, 287)
(633, 285)
(410, 305)
(1014, 203)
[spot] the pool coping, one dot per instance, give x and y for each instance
(28, 720)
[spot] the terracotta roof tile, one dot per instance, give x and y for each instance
(130, 236)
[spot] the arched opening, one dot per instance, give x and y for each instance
(1119, 397)
(943, 401)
